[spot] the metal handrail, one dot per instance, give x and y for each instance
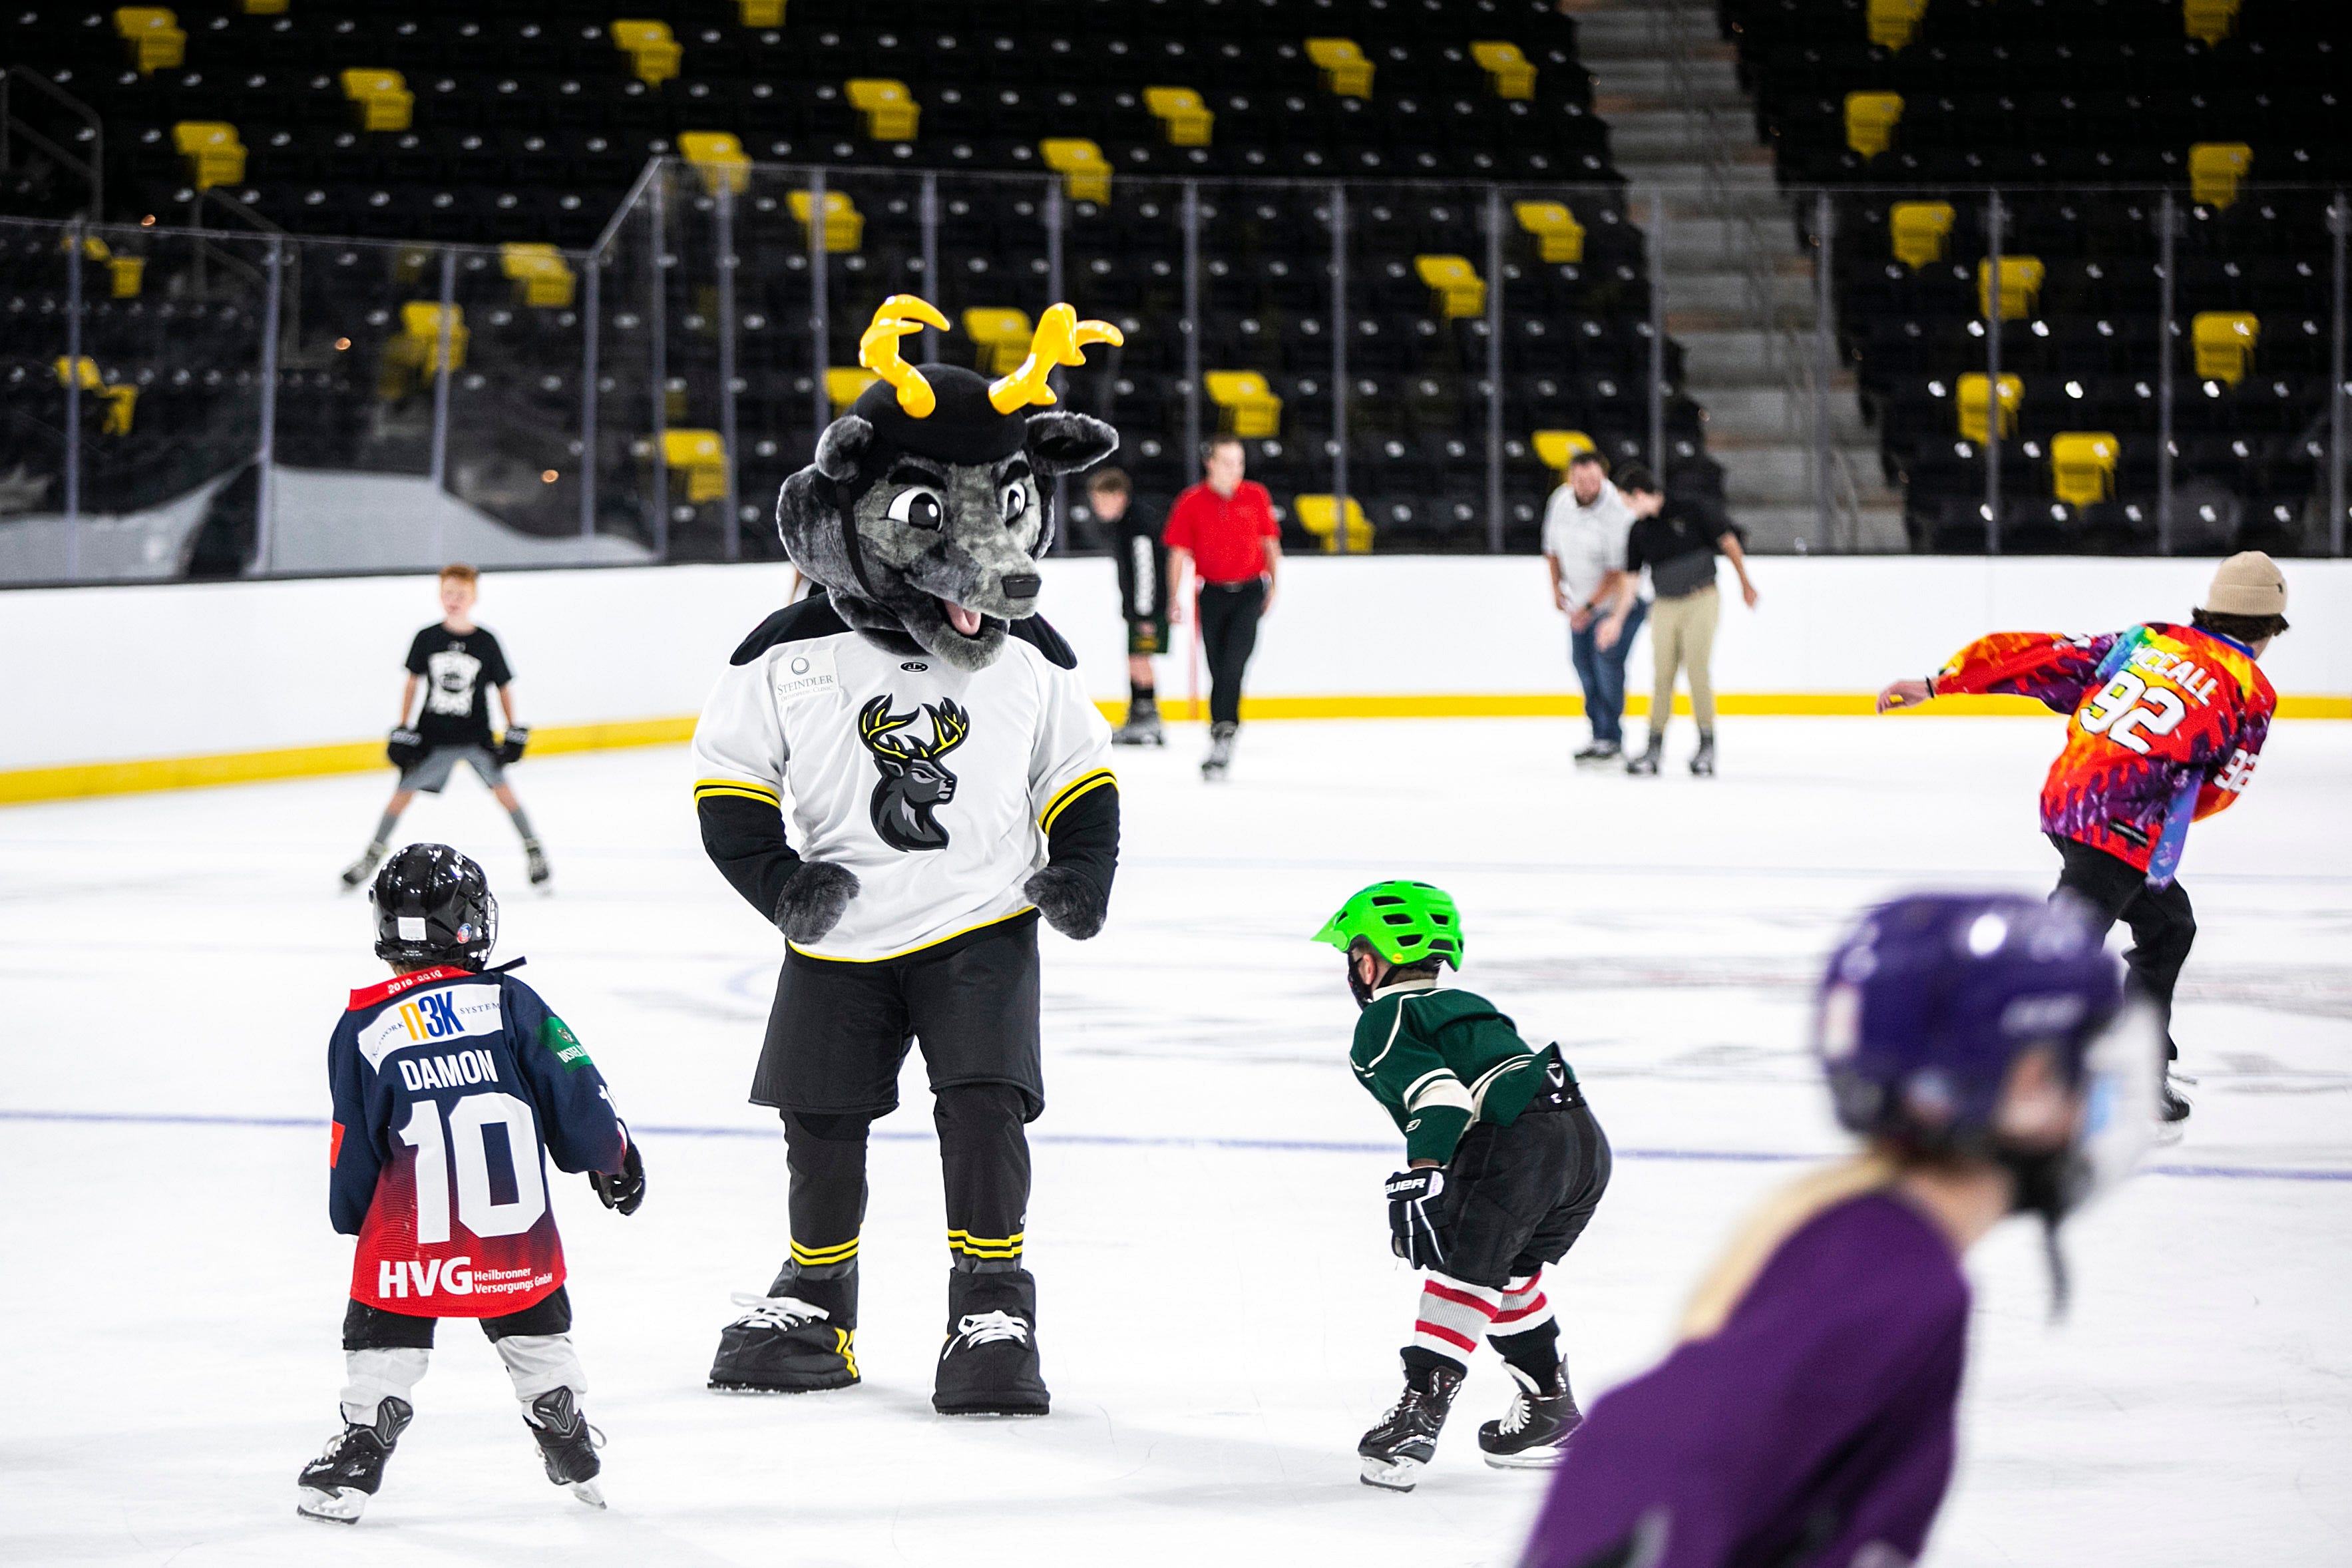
(92, 169)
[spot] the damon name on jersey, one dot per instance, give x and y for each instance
(941, 788)
(448, 1085)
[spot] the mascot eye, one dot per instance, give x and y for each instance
(1016, 503)
(917, 506)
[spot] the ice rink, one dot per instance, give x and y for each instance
(1219, 1314)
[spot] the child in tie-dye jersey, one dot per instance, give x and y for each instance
(2166, 723)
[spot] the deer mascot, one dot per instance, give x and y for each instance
(948, 787)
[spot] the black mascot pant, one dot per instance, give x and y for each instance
(2163, 926)
(836, 1037)
(1229, 617)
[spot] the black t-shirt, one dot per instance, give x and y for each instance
(1142, 566)
(1679, 546)
(458, 671)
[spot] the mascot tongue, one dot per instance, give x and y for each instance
(963, 620)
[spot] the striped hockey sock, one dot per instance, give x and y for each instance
(1453, 1314)
(1525, 1332)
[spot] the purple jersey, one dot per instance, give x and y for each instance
(1813, 1426)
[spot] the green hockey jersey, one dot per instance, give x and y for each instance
(1439, 1060)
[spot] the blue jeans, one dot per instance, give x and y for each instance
(1601, 672)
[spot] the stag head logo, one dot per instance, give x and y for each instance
(913, 784)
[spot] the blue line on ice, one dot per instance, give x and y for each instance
(1272, 1145)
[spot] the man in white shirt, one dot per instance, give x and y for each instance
(1584, 531)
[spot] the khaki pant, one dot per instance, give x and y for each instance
(1682, 635)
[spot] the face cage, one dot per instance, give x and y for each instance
(2121, 1067)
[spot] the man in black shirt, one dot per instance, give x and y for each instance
(1678, 541)
(458, 664)
(1142, 562)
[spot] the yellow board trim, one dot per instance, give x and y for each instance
(73, 781)
(1095, 780)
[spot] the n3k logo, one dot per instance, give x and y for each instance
(431, 1018)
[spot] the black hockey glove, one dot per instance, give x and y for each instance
(405, 749)
(512, 744)
(1069, 900)
(815, 895)
(627, 1190)
(1413, 1216)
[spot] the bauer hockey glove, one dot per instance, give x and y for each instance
(512, 744)
(626, 1190)
(405, 749)
(1413, 1216)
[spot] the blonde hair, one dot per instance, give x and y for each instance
(461, 571)
(1775, 1220)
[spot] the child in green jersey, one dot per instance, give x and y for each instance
(1505, 1168)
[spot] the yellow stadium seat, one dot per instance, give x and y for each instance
(2020, 286)
(703, 456)
(1345, 69)
(127, 274)
(1003, 331)
(1187, 120)
(2082, 466)
(2208, 21)
(1892, 23)
(653, 50)
(420, 336)
(265, 7)
(1248, 406)
(1318, 515)
(719, 158)
(890, 110)
(1972, 405)
(843, 383)
(546, 277)
(2224, 343)
(1559, 236)
(119, 400)
(215, 155)
(1460, 290)
(157, 40)
(1507, 70)
(2214, 170)
(1558, 448)
(761, 13)
(382, 97)
(1918, 230)
(845, 226)
(1081, 164)
(1870, 121)
(91, 381)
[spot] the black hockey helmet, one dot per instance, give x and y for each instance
(434, 905)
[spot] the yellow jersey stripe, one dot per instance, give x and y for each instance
(744, 787)
(1071, 792)
(918, 947)
(1013, 1240)
(839, 1254)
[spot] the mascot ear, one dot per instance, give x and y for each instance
(843, 447)
(1063, 443)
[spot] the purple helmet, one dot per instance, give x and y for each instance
(1930, 998)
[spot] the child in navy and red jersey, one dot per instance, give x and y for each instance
(448, 1084)
(2166, 723)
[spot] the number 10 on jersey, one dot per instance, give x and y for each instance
(467, 1135)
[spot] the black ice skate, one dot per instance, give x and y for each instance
(534, 860)
(1646, 764)
(361, 869)
(1142, 726)
(1394, 1451)
(783, 1345)
(1533, 1433)
(1600, 751)
(1703, 759)
(988, 1364)
(337, 1484)
(1221, 750)
(567, 1445)
(2172, 1105)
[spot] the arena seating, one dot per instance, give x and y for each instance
(2239, 110)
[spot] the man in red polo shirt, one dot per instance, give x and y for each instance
(1223, 529)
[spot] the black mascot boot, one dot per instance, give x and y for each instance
(988, 1364)
(800, 1337)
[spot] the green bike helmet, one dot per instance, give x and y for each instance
(1404, 923)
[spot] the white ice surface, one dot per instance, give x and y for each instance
(1219, 1310)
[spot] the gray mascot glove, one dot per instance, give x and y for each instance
(814, 898)
(1068, 899)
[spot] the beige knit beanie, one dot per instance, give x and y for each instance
(2247, 584)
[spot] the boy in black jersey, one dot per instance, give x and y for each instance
(458, 664)
(1143, 599)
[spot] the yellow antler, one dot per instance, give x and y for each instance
(1060, 339)
(878, 350)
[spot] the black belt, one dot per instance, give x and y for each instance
(1559, 1091)
(1233, 587)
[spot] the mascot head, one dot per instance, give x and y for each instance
(927, 508)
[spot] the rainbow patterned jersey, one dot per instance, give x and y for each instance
(448, 1086)
(2166, 723)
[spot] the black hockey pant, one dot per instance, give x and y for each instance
(2163, 926)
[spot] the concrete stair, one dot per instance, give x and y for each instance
(1738, 291)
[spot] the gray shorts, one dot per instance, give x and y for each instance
(431, 771)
